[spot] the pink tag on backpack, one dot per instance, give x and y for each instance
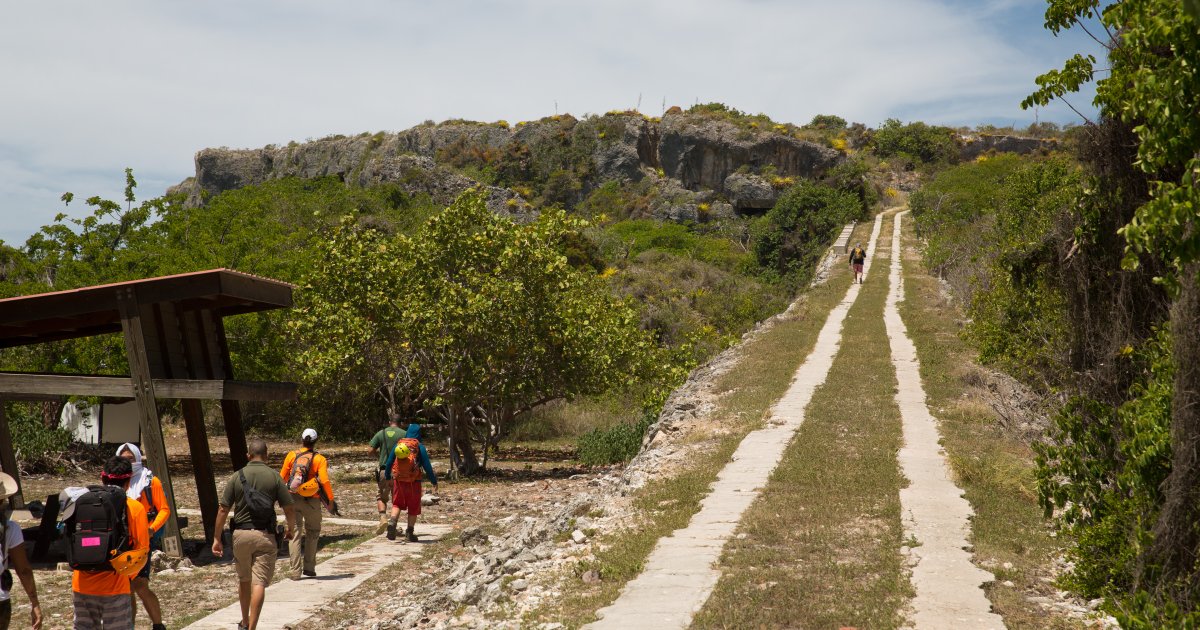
(91, 541)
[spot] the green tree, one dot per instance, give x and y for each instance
(474, 319)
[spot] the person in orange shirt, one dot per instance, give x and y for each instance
(306, 474)
(146, 489)
(102, 598)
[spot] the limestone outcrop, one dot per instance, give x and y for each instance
(971, 147)
(687, 153)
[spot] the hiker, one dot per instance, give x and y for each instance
(255, 489)
(101, 522)
(405, 462)
(382, 444)
(306, 473)
(858, 256)
(146, 489)
(12, 554)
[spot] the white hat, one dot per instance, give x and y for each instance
(309, 434)
(8, 485)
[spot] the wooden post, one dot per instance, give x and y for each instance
(8, 458)
(231, 410)
(202, 468)
(143, 393)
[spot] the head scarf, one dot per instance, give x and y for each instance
(141, 475)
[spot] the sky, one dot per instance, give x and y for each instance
(90, 88)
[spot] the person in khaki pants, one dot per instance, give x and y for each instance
(306, 474)
(254, 550)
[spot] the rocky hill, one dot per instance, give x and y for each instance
(697, 160)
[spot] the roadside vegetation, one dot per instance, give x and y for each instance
(1080, 275)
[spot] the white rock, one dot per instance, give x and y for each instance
(579, 537)
(519, 585)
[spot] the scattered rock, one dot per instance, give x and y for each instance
(579, 537)
(473, 537)
(591, 577)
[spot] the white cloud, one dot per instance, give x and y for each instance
(96, 87)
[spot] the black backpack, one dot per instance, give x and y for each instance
(262, 508)
(97, 530)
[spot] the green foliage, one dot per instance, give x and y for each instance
(37, 447)
(1104, 471)
(637, 236)
(614, 444)
(915, 144)
(791, 237)
(473, 314)
(827, 122)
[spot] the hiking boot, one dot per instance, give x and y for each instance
(391, 531)
(158, 626)
(382, 526)
(309, 573)
(409, 535)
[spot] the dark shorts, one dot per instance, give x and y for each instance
(155, 545)
(406, 495)
(858, 267)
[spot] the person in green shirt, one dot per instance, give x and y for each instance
(254, 547)
(382, 444)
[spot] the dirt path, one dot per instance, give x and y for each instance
(290, 602)
(948, 586)
(679, 575)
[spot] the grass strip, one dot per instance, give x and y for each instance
(1010, 537)
(820, 548)
(749, 389)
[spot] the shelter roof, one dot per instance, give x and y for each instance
(93, 310)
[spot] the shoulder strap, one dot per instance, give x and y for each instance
(242, 478)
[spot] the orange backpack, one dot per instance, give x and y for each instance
(407, 469)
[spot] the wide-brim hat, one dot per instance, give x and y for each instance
(8, 485)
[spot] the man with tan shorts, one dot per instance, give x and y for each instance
(382, 444)
(255, 490)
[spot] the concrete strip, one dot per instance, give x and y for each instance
(679, 575)
(948, 586)
(289, 602)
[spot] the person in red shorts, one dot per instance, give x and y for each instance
(407, 460)
(858, 256)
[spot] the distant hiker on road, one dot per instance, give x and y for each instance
(146, 489)
(109, 541)
(255, 490)
(382, 445)
(12, 554)
(858, 256)
(306, 473)
(406, 462)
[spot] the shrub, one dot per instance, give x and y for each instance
(38, 448)
(916, 143)
(616, 444)
(791, 237)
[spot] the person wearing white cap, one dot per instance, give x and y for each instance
(12, 554)
(306, 473)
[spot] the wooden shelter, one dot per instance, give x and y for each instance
(176, 346)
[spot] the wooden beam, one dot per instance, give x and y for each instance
(202, 467)
(143, 392)
(8, 457)
(39, 386)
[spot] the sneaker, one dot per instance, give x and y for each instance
(312, 573)
(391, 531)
(242, 626)
(158, 626)
(410, 536)
(382, 527)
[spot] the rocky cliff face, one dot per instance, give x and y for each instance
(698, 154)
